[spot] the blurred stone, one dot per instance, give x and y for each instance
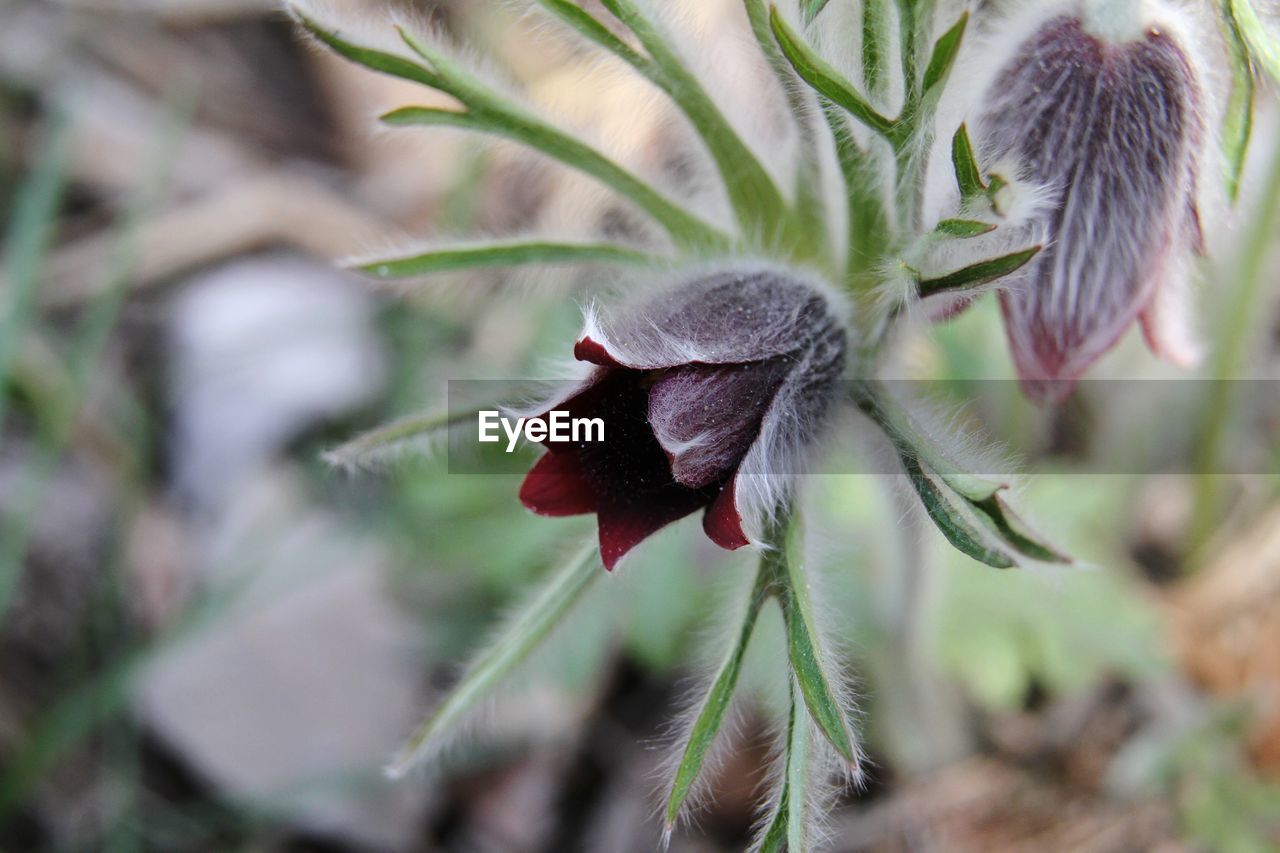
(263, 349)
(292, 675)
(302, 677)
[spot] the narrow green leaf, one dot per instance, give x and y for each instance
(1264, 46)
(499, 254)
(395, 434)
(586, 25)
(490, 112)
(435, 117)
(972, 488)
(809, 234)
(775, 835)
(756, 200)
(983, 272)
(530, 627)
(964, 228)
(711, 716)
(798, 778)
(805, 652)
(1015, 532)
(944, 55)
(27, 240)
(454, 79)
(868, 218)
(965, 163)
(812, 8)
(825, 79)
(375, 60)
(948, 518)
(957, 502)
(787, 829)
(875, 47)
(501, 118)
(877, 404)
(1238, 119)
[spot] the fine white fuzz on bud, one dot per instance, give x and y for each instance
(1110, 118)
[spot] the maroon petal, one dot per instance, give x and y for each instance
(706, 416)
(627, 519)
(722, 522)
(594, 352)
(558, 485)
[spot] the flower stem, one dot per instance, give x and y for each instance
(1233, 342)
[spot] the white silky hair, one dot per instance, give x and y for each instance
(1085, 315)
(732, 594)
(992, 41)
(827, 775)
(764, 685)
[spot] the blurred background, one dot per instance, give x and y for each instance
(212, 640)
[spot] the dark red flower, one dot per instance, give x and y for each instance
(710, 395)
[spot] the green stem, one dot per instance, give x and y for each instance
(1234, 342)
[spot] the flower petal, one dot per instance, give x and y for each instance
(593, 351)
(557, 485)
(706, 416)
(723, 522)
(1115, 129)
(1167, 320)
(627, 518)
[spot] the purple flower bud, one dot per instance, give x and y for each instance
(1112, 126)
(710, 395)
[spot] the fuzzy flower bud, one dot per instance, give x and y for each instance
(710, 394)
(1103, 106)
